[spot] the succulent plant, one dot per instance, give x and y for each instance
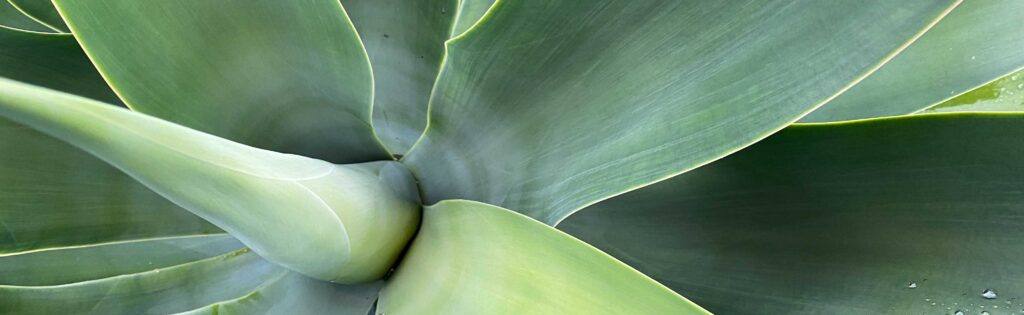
(510, 157)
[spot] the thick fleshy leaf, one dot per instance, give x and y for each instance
(405, 41)
(1003, 95)
(468, 12)
(977, 43)
(55, 195)
(475, 258)
(237, 282)
(51, 60)
(12, 18)
(289, 76)
(908, 215)
(548, 106)
(345, 223)
(159, 291)
(81, 263)
(41, 11)
(296, 294)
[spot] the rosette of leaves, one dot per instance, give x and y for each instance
(519, 157)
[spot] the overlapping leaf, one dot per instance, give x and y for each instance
(978, 42)
(87, 262)
(548, 106)
(11, 17)
(1003, 95)
(290, 76)
(405, 42)
(41, 11)
(474, 258)
(903, 215)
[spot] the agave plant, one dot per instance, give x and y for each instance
(518, 157)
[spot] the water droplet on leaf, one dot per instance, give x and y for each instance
(988, 294)
(912, 285)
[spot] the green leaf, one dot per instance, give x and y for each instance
(405, 42)
(474, 258)
(468, 13)
(1003, 95)
(345, 223)
(160, 291)
(236, 282)
(41, 11)
(51, 60)
(54, 195)
(295, 294)
(977, 43)
(12, 18)
(288, 76)
(81, 263)
(548, 106)
(836, 219)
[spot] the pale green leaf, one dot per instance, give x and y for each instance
(977, 43)
(289, 76)
(837, 219)
(474, 258)
(1003, 95)
(405, 42)
(159, 291)
(296, 294)
(54, 195)
(12, 18)
(333, 222)
(41, 11)
(548, 106)
(81, 263)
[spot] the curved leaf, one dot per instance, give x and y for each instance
(405, 42)
(977, 43)
(289, 76)
(474, 258)
(54, 195)
(158, 291)
(548, 106)
(343, 223)
(13, 19)
(41, 11)
(1003, 95)
(837, 219)
(51, 60)
(468, 13)
(296, 294)
(81, 263)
